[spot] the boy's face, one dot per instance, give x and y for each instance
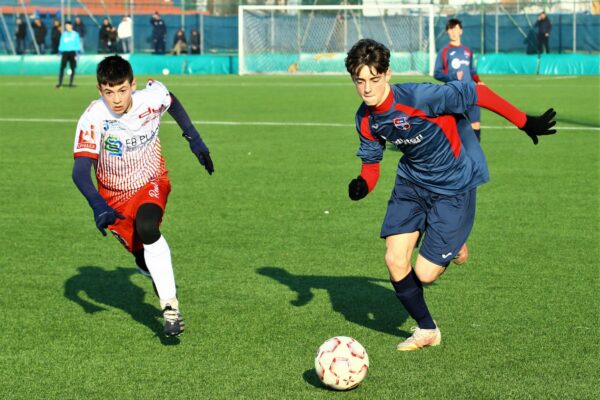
(455, 33)
(118, 97)
(371, 86)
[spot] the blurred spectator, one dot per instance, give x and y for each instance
(124, 33)
(69, 47)
(39, 33)
(544, 27)
(159, 33)
(55, 36)
(79, 27)
(104, 36)
(20, 35)
(179, 43)
(194, 42)
(113, 39)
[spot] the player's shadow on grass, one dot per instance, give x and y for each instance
(115, 289)
(359, 299)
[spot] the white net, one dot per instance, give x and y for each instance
(307, 39)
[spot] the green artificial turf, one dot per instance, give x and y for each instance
(272, 258)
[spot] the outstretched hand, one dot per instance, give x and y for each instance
(540, 126)
(105, 216)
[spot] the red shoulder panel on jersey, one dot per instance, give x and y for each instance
(447, 124)
(85, 154)
(445, 60)
(365, 130)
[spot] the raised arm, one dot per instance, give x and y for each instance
(533, 126)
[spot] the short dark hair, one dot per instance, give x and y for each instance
(370, 53)
(114, 70)
(452, 22)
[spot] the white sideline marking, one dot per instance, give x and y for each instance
(268, 123)
(554, 78)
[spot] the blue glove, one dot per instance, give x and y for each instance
(104, 215)
(200, 151)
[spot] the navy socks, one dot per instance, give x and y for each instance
(410, 292)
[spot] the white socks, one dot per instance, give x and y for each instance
(158, 261)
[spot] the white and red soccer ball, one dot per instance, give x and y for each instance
(341, 363)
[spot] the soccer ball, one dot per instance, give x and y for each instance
(341, 363)
(165, 71)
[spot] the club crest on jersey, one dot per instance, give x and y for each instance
(112, 124)
(401, 123)
(113, 146)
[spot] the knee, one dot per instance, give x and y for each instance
(427, 277)
(398, 266)
(147, 230)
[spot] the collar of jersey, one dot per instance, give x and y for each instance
(386, 105)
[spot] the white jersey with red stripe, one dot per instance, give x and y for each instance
(127, 146)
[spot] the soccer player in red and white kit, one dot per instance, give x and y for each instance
(118, 136)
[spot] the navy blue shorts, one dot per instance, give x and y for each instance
(444, 222)
(474, 114)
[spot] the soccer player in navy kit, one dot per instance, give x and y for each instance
(455, 62)
(433, 201)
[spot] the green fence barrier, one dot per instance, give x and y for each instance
(570, 64)
(142, 64)
(547, 64)
(327, 63)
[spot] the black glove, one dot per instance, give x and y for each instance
(358, 188)
(538, 126)
(201, 151)
(105, 216)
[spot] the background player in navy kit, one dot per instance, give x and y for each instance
(455, 62)
(434, 194)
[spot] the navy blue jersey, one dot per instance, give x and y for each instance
(452, 59)
(421, 120)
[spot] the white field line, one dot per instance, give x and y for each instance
(268, 123)
(555, 78)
